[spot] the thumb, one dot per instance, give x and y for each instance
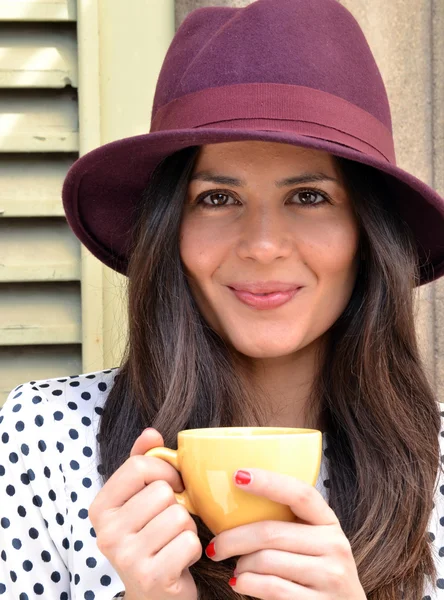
(149, 438)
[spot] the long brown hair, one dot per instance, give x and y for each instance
(378, 410)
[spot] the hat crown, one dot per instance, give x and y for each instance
(313, 43)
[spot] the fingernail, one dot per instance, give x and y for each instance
(210, 550)
(235, 573)
(232, 581)
(148, 429)
(242, 477)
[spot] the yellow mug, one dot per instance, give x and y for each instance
(207, 459)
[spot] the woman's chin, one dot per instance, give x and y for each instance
(266, 348)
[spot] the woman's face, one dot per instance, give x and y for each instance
(245, 222)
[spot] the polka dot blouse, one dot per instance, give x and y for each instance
(50, 475)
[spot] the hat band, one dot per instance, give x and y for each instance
(279, 107)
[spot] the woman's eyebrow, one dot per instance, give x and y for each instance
(226, 180)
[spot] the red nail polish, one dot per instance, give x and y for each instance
(232, 581)
(210, 550)
(242, 477)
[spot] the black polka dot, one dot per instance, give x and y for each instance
(33, 533)
(74, 465)
(16, 543)
(74, 383)
(91, 562)
(83, 513)
(24, 478)
(73, 496)
(2, 470)
(64, 596)
(102, 386)
(3, 555)
(85, 395)
(37, 399)
(5, 523)
(23, 596)
(65, 543)
(47, 472)
(58, 416)
(57, 392)
(73, 434)
(41, 445)
(37, 501)
(100, 469)
(52, 495)
(44, 385)
(98, 410)
(105, 580)
(431, 536)
(39, 420)
(39, 589)
(17, 407)
(89, 595)
(21, 511)
(46, 557)
(13, 458)
(55, 576)
(59, 518)
(440, 584)
(78, 545)
(72, 405)
(76, 579)
(24, 449)
(2, 588)
(87, 451)
(13, 576)
(86, 421)
(31, 474)
(60, 446)
(27, 566)
(10, 490)
(92, 533)
(5, 437)
(86, 481)
(19, 426)
(91, 376)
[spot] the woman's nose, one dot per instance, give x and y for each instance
(264, 235)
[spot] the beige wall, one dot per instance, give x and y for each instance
(74, 75)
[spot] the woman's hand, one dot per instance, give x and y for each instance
(308, 560)
(146, 535)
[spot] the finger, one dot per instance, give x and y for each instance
(163, 528)
(301, 569)
(270, 587)
(279, 535)
(133, 476)
(149, 438)
(182, 552)
(303, 499)
(141, 509)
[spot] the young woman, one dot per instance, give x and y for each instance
(272, 248)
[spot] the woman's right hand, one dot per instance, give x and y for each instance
(148, 537)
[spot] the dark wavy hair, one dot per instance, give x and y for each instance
(377, 407)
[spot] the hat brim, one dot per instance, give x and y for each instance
(103, 186)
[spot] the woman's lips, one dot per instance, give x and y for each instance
(266, 301)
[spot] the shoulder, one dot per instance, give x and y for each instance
(83, 395)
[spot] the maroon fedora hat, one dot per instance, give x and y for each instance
(292, 71)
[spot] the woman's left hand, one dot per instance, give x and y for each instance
(307, 560)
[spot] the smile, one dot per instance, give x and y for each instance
(264, 301)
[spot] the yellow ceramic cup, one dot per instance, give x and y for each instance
(208, 458)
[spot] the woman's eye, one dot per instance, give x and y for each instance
(215, 199)
(310, 197)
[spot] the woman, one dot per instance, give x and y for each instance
(272, 247)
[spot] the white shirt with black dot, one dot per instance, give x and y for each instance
(49, 476)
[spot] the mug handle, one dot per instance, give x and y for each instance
(170, 456)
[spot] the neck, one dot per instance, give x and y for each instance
(283, 384)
